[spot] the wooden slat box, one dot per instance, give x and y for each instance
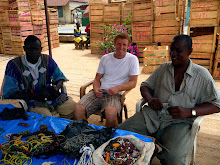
(141, 47)
(18, 48)
(204, 39)
(98, 1)
(96, 12)
(96, 29)
(125, 11)
(4, 5)
(19, 5)
(19, 18)
(142, 11)
(6, 33)
(168, 10)
(36, 4)
(38, 29)
(1, 47)
(4, 20)
(112, 12)
(203, 59)
(20, 33)
(0, 33)
(204, 13)
(94, 48)
(142, 32)
(154, 56)
(7, 47)
(37, 17)
(165, 30)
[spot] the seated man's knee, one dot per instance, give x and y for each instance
(171, 158)
(80, 112)
(111, 113)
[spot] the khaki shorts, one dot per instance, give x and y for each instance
(65, 110)
(93, 104)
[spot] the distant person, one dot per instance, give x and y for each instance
(37, 79)
(79, 39)
(87, 30)
(176, 93)
(117, 71)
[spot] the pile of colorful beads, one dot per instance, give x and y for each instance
(121, 151)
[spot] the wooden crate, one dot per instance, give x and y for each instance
(154, 56)
(18, 48)
(19, 5)
(96, 50)
(204, 39)
(53, 15)
(96, 12)
(125, 11)
(0, 33)
(19, 34)
(142, 11)
(141, 47)
(6, 33)
(1, 47)
(4, 21)
(142, 32)
(203, 59)
(112, 13)
(36, 4)
(204, 13)
(38, 29)
(165, 30)
(4, 5)
(96, 29)
(169, 10)
(98, 1)
(37, 17)
(19, 18)
(8, 47)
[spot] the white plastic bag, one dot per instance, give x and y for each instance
(146, 149)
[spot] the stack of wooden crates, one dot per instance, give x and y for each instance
(152, 21)
(167, 23)
(204, 20)
(20, 18)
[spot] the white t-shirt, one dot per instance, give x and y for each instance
(117, 71)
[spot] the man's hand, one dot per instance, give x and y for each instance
(155, 104)
(113, 91)
(98, 93)
(179, 112)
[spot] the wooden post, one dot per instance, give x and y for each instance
(48, 27)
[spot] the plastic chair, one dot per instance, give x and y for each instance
(190, 159)
(124, 107)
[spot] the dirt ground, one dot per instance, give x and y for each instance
(80, 67)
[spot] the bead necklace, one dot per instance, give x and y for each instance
(37, 144)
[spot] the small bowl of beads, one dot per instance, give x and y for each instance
(124, 150)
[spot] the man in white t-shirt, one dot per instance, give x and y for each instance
(117, 71)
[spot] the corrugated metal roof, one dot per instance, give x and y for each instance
(57, 2)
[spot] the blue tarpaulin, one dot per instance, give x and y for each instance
(54, 124)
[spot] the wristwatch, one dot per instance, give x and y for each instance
(193, 112)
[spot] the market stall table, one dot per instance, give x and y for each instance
(54, 124)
